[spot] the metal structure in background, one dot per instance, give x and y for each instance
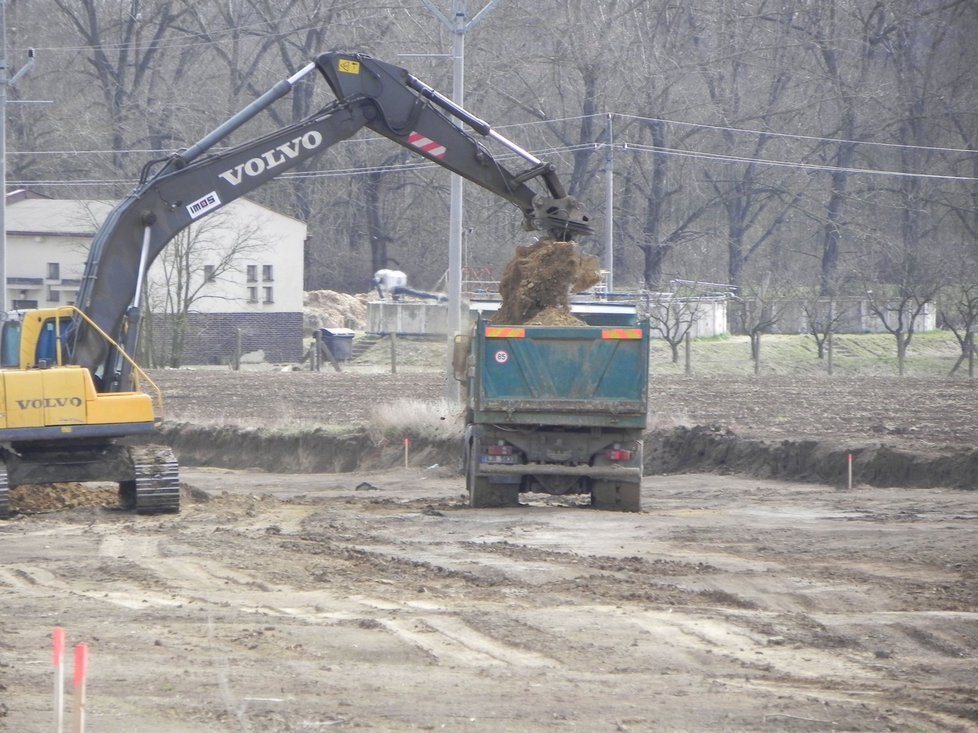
(6, 81)
(458, 27)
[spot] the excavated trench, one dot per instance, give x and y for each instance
(679, 450)
(675, 451)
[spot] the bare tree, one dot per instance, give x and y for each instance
(756, 311)
(755, 200)
(959, 314)
(672, 210)
(716, 106)
(822, 318)
(912, 284)
(828, 29)
(673, 316)
(189, 272)
(125, 43)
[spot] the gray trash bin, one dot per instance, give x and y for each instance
(339, 341)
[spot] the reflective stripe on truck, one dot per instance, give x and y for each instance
(621, 333)
(505, 332)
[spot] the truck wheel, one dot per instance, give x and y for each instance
(485, 494)
(617, 496)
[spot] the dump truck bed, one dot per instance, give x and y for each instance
(560, 375)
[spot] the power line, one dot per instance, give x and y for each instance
(790, 164)
(424, 166)
(203, 37)
(541, 152)
(795, 136)
(748, 131)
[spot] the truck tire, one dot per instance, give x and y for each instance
(617, 496)
(482, 493)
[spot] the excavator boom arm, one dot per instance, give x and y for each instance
(197, 182)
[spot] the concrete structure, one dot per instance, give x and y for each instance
(407, 318)
(706, 316)
(240, 269)
(851, 315)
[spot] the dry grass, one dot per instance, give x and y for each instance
(433, 421)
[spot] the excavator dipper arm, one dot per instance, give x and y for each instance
(196, 182)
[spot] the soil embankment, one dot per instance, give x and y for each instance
(679, 450)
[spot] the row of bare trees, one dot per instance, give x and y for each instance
(822, 147)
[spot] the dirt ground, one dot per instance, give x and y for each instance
(377, 601)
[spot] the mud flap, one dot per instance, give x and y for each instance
(619, 496)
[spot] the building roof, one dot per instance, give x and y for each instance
(55, 217)
(29, 214)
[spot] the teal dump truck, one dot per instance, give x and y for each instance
(556, 409)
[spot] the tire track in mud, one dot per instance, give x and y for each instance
(438, 632)
(796, 632)
(449, 640)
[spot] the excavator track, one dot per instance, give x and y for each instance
(4, 492)
(156, 486)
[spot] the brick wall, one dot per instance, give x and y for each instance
(212, 337)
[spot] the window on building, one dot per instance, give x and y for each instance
(252, 273)
(54, 296)
(266, 273)
(54, 271)
(269, 295)
(252, 295)
(209, 273)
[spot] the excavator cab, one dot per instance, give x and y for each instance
(41, 334)
(33, 338)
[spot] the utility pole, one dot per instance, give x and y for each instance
(4, 83)
(609, 198)
(458, 26)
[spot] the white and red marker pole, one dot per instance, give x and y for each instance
(81, 672)
(849, 483)
(58, 639)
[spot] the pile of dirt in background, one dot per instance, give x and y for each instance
(329, 309)
(538, 280)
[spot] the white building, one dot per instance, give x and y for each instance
(241, 270)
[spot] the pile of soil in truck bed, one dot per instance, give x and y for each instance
(538, 280)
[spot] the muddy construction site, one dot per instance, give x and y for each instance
(314, 582)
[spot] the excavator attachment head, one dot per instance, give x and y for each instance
(563, 218)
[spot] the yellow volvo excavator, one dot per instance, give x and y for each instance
(69, 390)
